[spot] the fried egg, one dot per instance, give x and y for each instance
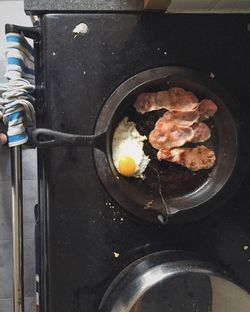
(127, 150)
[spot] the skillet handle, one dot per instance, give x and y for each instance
(46, 138)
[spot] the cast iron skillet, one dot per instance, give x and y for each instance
(168, 189)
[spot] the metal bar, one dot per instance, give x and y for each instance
(34, 19)
(158, 5)
(17, 228)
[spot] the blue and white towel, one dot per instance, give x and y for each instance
(16, 101)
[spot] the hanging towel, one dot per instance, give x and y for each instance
(16, 101)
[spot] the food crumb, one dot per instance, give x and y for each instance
(212, 75)
(116, 254)
(54, 53)
(245, 247)
(160, 218)
(163, 219)
(80, 29)
(165, 53)
(149, 204)
(122, 219)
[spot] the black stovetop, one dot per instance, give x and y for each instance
(81, 226)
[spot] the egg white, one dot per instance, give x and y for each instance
(127, 141)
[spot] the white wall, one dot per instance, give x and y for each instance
(11, 12)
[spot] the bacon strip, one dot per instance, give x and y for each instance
(194, 159)
(170, 132)
(182, 118)
(169, 135)
(207, 109)
(175, 99)
(201, 132)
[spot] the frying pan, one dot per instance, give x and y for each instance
(168, 190)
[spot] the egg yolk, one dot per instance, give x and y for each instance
(127, 166)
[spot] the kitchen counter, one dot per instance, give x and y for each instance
(40, 6)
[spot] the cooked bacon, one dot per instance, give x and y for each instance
(207, 109)
(175, 99)
(182, 118)
(145, 102)
(180, 124)
(194, 159)
(174, 129)
(169, 135)
(201, 132)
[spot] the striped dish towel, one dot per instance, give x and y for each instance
(16, 101)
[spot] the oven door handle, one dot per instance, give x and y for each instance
(47, 138)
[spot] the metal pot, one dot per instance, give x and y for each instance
(174, 281)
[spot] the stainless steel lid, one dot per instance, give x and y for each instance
(158, 283)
